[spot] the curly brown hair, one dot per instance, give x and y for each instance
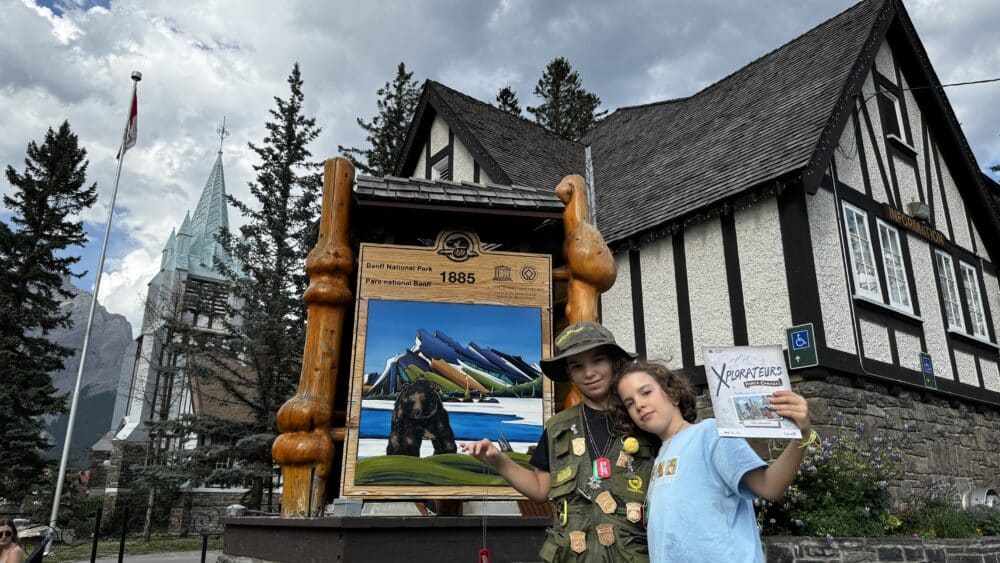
(675, 385)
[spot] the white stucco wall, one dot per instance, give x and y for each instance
(439, 135)
(956, 208)
(966, 364)
(659, 302)
(940, 221)
(992, 297)
(762, 272)
(847, 159)
(908, 348)
(420, 170)
(930, 307)
(872, 158)
(980, 249)
(915, 118)
(906, 179)
(830, 276)
(991, 377)
(875, 339)
(463, 169)
(884, 62)
(711, 323)
(616, 305)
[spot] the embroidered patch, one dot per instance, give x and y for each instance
(635, 484)
(564, 474)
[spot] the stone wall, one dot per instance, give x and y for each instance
(196, 512)
(850, 550)
(949, 440)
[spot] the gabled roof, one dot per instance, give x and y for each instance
(761, 122)
(511, 149)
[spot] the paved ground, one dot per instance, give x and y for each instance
(180, 557)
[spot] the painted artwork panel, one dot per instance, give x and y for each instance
(439, 374)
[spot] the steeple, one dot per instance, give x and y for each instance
(210, 216)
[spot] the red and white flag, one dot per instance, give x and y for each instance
(132, 127)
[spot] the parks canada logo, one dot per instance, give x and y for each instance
(458, 247)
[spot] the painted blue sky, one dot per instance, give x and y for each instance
(392, 327)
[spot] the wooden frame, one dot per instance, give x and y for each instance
(450, 283)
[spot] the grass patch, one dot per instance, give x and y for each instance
(443, 469)
(109, 548)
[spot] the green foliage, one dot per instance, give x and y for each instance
(507, 100)
(987, 520)
(45, 203)
(386, 132)
(566, 109)
(841, 488)
(935, 513)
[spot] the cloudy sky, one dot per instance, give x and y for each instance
(66, 59)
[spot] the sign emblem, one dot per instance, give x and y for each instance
(801, 340)
(501, 273)
(528, 273)
(458, 247)
(927, 368)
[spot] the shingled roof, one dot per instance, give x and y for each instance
(460, 194)
(757, 124)
(511, 149)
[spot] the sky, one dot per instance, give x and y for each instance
(392, 328)
(202, 61)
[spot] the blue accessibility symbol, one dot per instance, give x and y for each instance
(925, 364)
(800, 340)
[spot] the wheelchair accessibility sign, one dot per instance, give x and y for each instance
(927, 368)
(801, 346)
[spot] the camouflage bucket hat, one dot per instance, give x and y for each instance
(574, 339)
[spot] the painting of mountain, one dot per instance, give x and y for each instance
(451, 372)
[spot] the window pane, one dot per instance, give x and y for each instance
(862, 256)
(949, 291)
(895, 271)
(970, 283)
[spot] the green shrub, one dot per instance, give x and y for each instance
(935, 514)
(841, 488)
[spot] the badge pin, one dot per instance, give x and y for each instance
(578, 541)
(623, 460)
(602, 467)
(633, 512)
(635, 484)
(572, 428)
(606, 534)
(594, 483)
(606, 502)
(579, 446)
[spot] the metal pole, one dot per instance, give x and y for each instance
(121, 542)
(97, 534)
(136, 77)
(204, 547)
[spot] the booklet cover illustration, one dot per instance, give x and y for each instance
(741, 381)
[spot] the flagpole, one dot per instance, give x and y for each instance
(136, 77)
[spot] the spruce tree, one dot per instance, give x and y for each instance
(507, 100)
(566, 109)
(386, 132)
(255, 364)
(46, 201)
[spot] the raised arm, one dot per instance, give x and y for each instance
(532, 484)
(770, 483)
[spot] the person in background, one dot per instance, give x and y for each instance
(702, 485)
(595, 476)
(10, 548)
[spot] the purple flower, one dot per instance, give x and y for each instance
(829, 539)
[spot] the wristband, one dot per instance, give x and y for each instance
(811, 439)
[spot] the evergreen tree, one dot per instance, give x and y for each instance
(566, 109)
(507, 100)
(386, 132)
(46, 202)
(255, 364)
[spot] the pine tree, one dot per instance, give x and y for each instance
(566, 109)
(507, 100)
(46, 201)
(386, 132)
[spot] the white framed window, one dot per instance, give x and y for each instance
(862, 256)
(892, 110)
(895, 272)
(970, 282)
(949, 290)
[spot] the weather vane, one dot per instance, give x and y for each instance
(222, 132)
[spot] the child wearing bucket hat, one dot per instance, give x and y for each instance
(595, 476)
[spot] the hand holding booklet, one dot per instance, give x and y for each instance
(741, 381)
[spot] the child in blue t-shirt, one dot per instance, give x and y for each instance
(700, 493)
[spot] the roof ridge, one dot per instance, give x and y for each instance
(795, 39)
(494, 108)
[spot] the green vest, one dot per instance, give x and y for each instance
(569, 475)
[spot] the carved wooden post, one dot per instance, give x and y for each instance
(304, 450)
(590, 268)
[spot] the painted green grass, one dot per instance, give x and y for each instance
(530, 389)
(442, 469)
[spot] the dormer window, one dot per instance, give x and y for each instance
(441, 170)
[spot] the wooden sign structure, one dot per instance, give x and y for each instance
(447, 340)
